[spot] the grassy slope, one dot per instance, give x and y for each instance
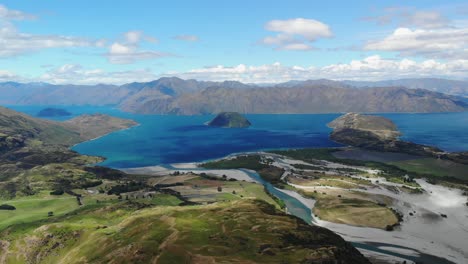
(36, 207)
(34, 152)
(241, 231)
(47, 132)
(393, 171)
(352, 208)
(436, 167)
(241, 189)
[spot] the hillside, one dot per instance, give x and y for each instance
(452, 87)
(81, 128)
(21, 126)
(245, 231)
(303, 99)
(35, 154)
(96, 125)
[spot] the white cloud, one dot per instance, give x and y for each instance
(136, 36)
(8, 14)
(408, 17)
(425, 19)
(296, 34)
(6, 75)
(436, 43)
(133, 36)
(76, 74)
(370, 68)
(309, 28)
(13, 42)
(189, 38)
(129, 52)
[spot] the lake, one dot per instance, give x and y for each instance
(165, 139)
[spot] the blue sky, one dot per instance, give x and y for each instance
(252, 41)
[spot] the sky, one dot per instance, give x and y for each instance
(90, 42)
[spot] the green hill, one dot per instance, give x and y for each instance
(243, 231)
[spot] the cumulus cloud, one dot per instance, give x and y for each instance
(295, 34)
(128, 51)
(189, 38)
(408, 17)
(436, 43)
(370, 68)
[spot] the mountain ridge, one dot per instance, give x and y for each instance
(172, 95)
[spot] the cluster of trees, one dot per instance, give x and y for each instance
(127, 187)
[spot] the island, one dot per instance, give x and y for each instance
(375, 133)
(229, 120)
(53, 112)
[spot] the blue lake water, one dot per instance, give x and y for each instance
(165, 139)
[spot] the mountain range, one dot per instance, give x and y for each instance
(172, 95)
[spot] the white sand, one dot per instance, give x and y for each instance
(382, 258)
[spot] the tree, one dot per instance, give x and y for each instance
(49, 214)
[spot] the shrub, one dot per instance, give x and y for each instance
(7, 207)
(57, 192)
